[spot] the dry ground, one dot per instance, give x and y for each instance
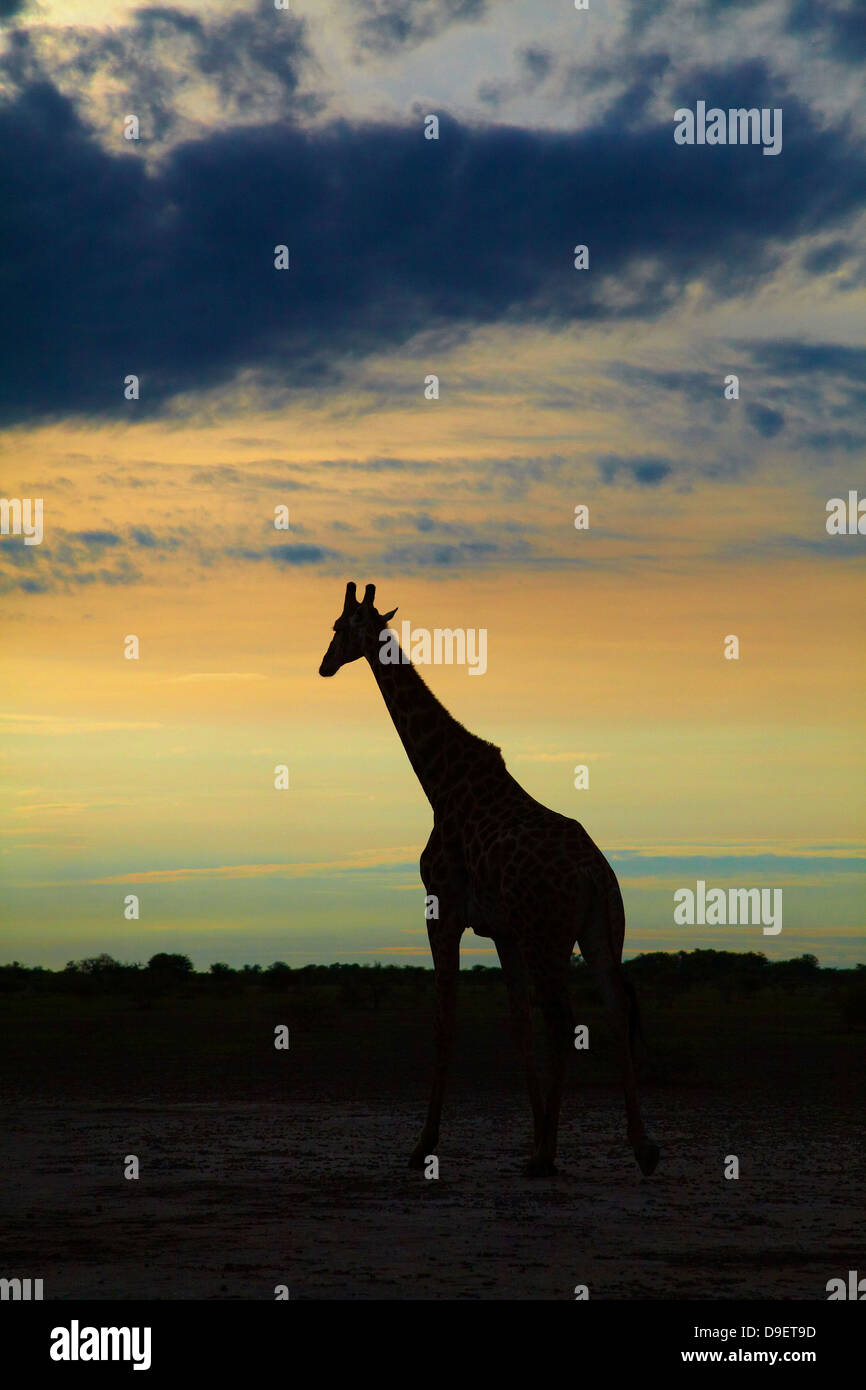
(258, 1170)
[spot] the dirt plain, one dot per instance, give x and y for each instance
(260, 1169)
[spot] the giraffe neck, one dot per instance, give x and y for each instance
(438, 747)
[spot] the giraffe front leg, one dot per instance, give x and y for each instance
(559, 1024)
(445, 946)
(517, 984)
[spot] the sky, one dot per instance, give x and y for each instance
(304, 388)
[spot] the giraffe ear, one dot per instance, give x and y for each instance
(386, 617)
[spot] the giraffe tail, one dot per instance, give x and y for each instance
(635, 1027)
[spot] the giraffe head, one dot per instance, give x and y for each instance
(356, 631)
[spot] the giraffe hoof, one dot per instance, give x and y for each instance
(647, 1154)
(539, 1167)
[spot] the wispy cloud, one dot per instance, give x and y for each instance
(361, 862)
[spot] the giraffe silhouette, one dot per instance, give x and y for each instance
(504, 866)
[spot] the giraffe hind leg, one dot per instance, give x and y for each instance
(551, 983)
(622, 1006)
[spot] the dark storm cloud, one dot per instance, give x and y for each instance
(286, 555)
(444, 556)
(111, 269)
(642, 13)
(821, 386)
(764, 419)
(537, 62)
(252, 62)
(839, 26)
(96, 538)
(628, 81)
(12, 9)
(299, 554)
(787, 356)
(420, 521)
(235, 49)
(835, 397)
(387, 26)
(847, 441)
(646, 472)
(703, 13)
(643, 74)
(68, 561)
(534, 65)
(692, 383)
(825, 259)
(144, 537)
